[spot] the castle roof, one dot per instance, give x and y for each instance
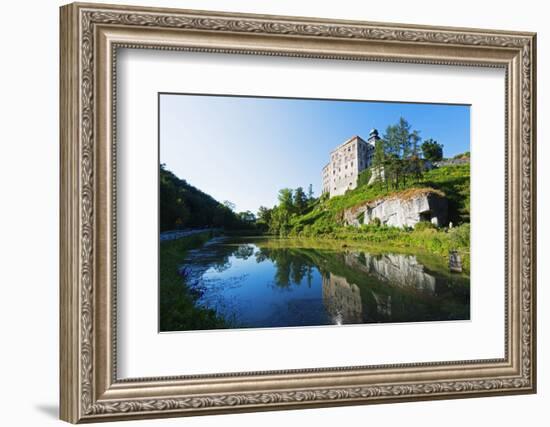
(347, 141)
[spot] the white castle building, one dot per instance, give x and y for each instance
(346, 162)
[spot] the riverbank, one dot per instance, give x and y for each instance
(178, 296)
(262, 281)
(178, 311)
(431, 260)
(424, 238)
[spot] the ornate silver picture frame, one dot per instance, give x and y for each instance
(91, 35)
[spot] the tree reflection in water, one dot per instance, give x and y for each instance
(291, 268)
(326, 286)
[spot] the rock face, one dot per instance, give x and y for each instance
(402, 209)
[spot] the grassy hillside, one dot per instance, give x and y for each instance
(453, 181)
(323, 218)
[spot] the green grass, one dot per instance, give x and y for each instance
(178, 311)
(453, 181)
(323, 219)
(433, 262)
(428, 240)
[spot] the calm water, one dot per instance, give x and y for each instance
(265, 282)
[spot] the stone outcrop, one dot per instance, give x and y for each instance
(402, 209)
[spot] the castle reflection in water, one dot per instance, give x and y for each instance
(343, 300)
(264, 282)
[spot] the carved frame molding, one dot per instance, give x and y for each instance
(90, 37)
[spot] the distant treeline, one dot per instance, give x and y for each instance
(184, 206)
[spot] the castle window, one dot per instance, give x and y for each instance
(351, 164)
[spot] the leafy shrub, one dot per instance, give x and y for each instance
(364, 177)
(460, 236)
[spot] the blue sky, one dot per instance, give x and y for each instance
(246, 149)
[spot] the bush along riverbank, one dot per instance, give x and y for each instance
(178, 310)
(424, 237)
(323, 218)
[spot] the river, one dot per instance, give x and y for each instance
(269, 282)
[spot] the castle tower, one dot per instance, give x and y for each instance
(373, 136)
(347, 161)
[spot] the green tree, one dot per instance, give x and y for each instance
(280, 221)
(405, 137)
(286, 200)
(432, 150)
(401, 153)
(379, 160)
(264, 215)
(247, 217)
(300, 200)
(229, 205)
(416, 164)
(392, 148)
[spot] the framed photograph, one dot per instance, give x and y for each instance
(266, 212)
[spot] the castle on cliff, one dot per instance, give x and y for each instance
(346, 162)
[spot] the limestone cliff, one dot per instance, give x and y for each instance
(401, 209)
